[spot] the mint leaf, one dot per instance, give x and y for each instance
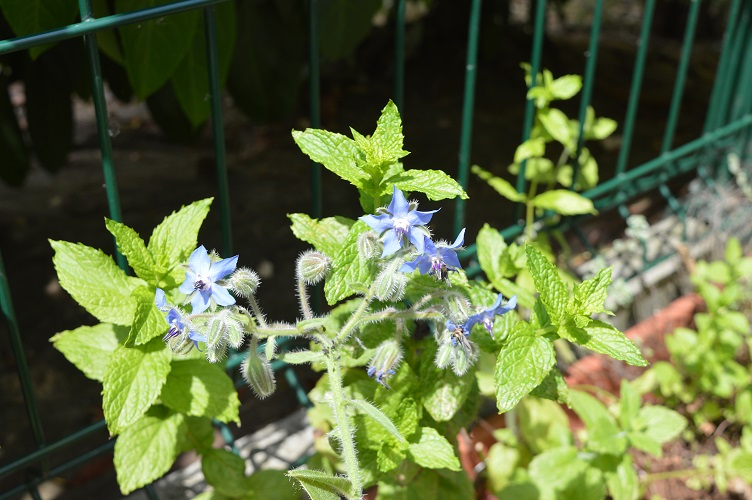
(590, 295)
(349, 267)
(199, 434)
(388, 457)
(320, 485)
(607, 339)
(443, 391)
(557, 468)
(556, 124)
(336, 152)
(543, 424)
(565, 87)
(90, 347)
(134, 379)
(225, 471)
(147, 449)
(435, 184)
(603, 434)
(522, 364)
(660, 423)
(377, 416)
(326, 235)
(197, 388)
(433, 451)
(133, 247)
(94, 281)
(490, 244)
(623, 483)
(564, 202)
(176, 237)
(553, 387)
(261, 482)
(503, 187)
(387, 139)
(148, 322)
(553, 292)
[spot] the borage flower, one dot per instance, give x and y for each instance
(399, 222)
(487, 316)
(177, 327)
(201, 280)
(437, 260)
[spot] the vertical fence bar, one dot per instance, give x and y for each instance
(468, 103)
(535, 63)
(103, 127)
(742, 90)
(634, 93)
(314, 94)
(218, 131)
(591, 57)
(27, 389)
(725, 66)
(399, 57)
(681, 76)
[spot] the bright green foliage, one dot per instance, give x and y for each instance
(148, 322)
(349, 267)
(320, 485)
(90, 347)
(433, 451)
(326, 235)
(197, 388)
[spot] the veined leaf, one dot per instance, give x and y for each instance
(553, 292)
(564, 202)
(435, 184)
(90, 347)
(27, 17)
(197, 388)
(503, 187)
(326, 235)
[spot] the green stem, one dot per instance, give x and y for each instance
(530, 212)
(671, 474)
(343, 424)
(354, 319)
(305, 307)
(257, 311)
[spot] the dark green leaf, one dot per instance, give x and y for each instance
(343, 24)
(28, 17)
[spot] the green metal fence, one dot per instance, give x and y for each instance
(728, 127)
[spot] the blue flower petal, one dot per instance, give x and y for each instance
(424, 264)
(392, 244)
(399, 206)
(420, 218)
(417, 238)
(221, 296)
(188, 286)
(222, 268)
(199, 261)
(460, 239)
(159, 298)
(409, 267)
(200, 301)
(378, 223)
(450, 258)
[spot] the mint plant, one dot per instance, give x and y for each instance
(400, 346)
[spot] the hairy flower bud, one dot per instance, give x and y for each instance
(444, 355)
(257, 371)
(235, 333)
(312, 266)
(462, 361)
(369, 246)
(386, 361)
(390, 284)
(216, 339)
(244, 282)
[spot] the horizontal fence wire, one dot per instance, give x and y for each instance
(728, 125)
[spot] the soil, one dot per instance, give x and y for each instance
(269, 178)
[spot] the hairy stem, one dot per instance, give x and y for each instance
(305, 306)
(355, 318)
(257, 311)
(343, 424)
(530, 212)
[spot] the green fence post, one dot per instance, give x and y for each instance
(314, 95)
(399, 57)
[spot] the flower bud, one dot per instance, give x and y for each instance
(390, 284)
(444, 355)
(462, 361)
(244, 282)
(216, 339)
(369, 246)
(386, 361)
(235, 333)
(257, 371)
(312, 266)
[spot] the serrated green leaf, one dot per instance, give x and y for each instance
(190, 79)
(590, 295)
(176, 237)
(435, 184)
(326, 235)
(148, 322)
(147, 449)
(154, 48)
(133, 247)
(602, 128)
(522, 364)
(348, 266)
(336, 152)
(630, 401)
(623, 483)
(199, 434)
(645, 443)
(320, 485)
(94, 281)
(433, 451)
(196, 387)
(565, 87)
(603, 434)
(556, 124)
(553, 387)
(607, 339)
(436, 484)
(387, 139)
(377, 416)
(29, 17)
(443, 391)
(90, 347)
(490, 244)
(503, 187)
(261, 482)
(660, 423)
(225, 471)
(529, 149)
(388, 457)
(132, 383)
(553, 292)
(564, 202)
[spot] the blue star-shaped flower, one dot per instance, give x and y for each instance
(173, 319)
(487, 316)
(437, 260)
(398, 222)
(201, 280)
